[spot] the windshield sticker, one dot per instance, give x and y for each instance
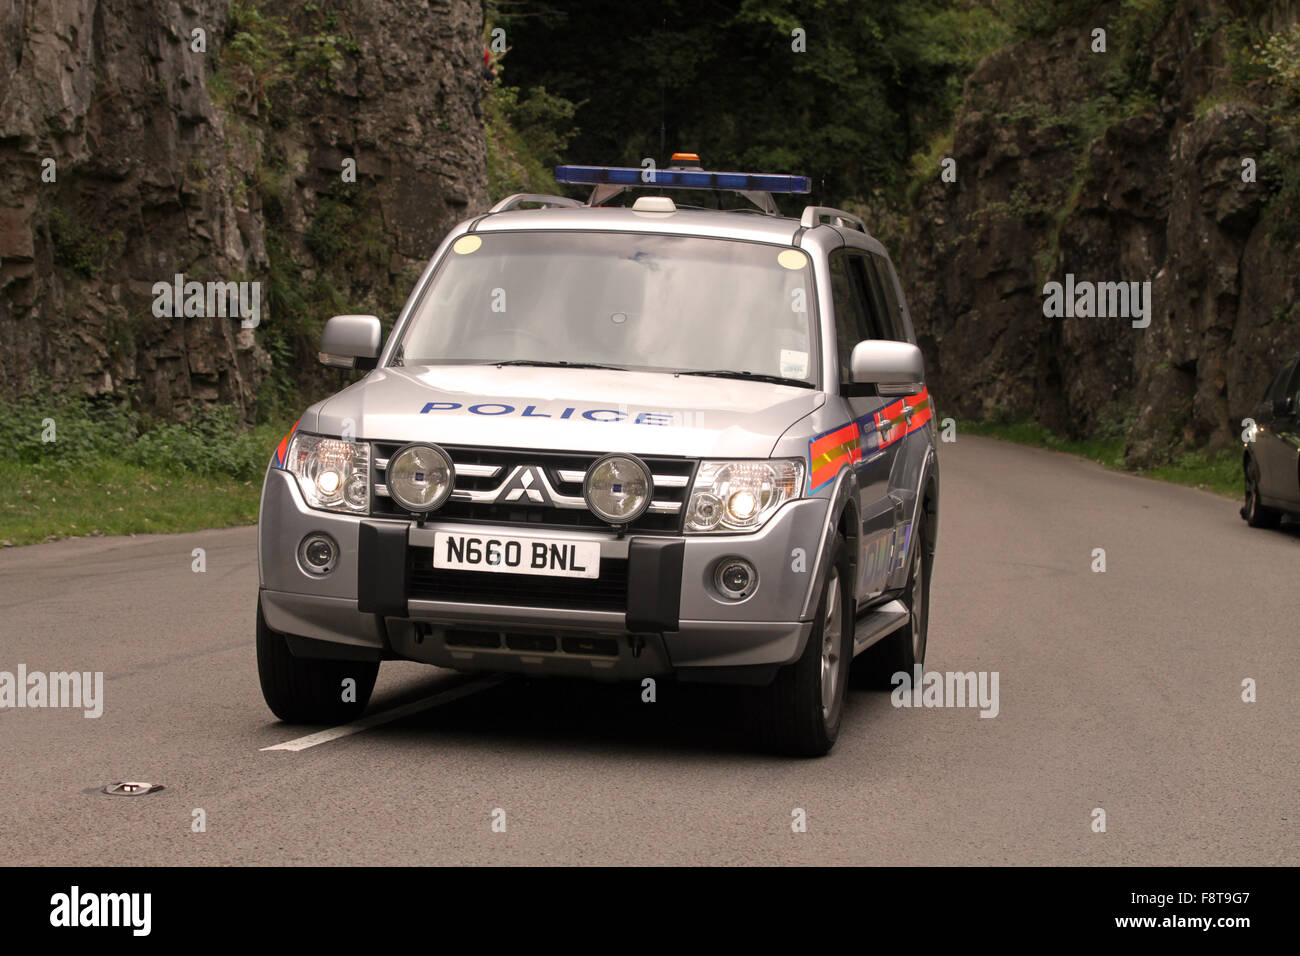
(791, 259)
(794, 364)
(466, 244)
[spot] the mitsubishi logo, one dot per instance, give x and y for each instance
(525, 482)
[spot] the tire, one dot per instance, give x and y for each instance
(302, 690)
(800, 711)
(1257, 514)
(905, 648)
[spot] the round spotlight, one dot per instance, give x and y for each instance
(420, 477)
(735, 578)
(317, 553)
(618, 488)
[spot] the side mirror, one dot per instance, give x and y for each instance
(1284, 407)
(348, 338)
(895, 368)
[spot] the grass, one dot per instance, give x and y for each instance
(109, 473)
(1219, 473)
(112, 497)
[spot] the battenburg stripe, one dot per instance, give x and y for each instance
(284, 446)
(831, 452)
(828, 453)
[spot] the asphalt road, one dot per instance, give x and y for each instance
(1118, 690)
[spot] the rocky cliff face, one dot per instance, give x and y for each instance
(140, 139)
(1123, 166)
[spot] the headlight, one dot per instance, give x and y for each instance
(333, 474)
(741, 495)
(618, 488)
(420, 477)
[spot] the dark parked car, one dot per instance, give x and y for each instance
(1272, 452)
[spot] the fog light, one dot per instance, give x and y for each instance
(318, 554)
(618, 489)
(735, 578)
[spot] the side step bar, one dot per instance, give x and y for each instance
(877, 623)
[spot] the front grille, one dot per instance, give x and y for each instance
(605, 593)
(480, 471)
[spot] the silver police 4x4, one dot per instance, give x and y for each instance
(617, 443)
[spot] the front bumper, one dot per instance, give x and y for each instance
(654, 611)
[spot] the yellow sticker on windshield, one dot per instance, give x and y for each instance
(466, 244)
(792, 259)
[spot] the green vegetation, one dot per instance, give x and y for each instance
(339, 262)
(1219, 473)
(525, 138)
(1263, 73)
(261, 53)
(1041, 18)
(349, 252)
(1279, 166)
(77, 245)
(874, 83)
(109, 471)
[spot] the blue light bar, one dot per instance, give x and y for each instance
(683, 179)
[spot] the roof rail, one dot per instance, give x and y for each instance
(513, 202)
(813, 216)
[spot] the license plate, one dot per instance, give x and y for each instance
(505, 553)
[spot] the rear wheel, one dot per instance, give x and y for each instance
(801, 710)
(1257, 514)
(904, 649)
(303, 690)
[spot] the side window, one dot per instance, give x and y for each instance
(885, 282)
(1277, 389)
(850, 317)
(872, 304)
(1294, 389)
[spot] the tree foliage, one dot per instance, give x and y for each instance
(725, 80)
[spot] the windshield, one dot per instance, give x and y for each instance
(627, 300)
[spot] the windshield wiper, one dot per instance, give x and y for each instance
(542, 364)
(748, 376)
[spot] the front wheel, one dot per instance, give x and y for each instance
(801, 710)
(1257, 514)
(302, 690)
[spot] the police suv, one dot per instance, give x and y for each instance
(616, 442)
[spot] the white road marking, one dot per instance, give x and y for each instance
(384, 716)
